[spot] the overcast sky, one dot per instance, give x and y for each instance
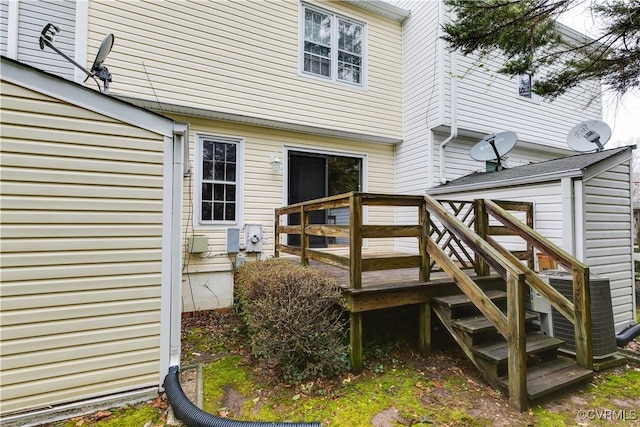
(622, 115)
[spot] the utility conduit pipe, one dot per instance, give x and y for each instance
(193, 416)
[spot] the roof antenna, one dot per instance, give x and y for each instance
(47, 37)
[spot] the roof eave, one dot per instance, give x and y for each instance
(382, 8)
(184, 110)
(547, 177)
(66, 90)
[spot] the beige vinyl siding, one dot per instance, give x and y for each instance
(81, 252)
(262, 189)
(241, 57)
(608, 233)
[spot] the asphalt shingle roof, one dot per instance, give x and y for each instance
(546, 168)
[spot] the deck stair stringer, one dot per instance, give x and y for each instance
(488, 350)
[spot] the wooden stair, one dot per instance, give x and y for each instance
(488, 350)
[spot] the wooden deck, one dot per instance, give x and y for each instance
(397, 287)
(459, 253)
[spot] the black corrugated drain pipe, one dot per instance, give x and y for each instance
(627, 335)
(193, 416)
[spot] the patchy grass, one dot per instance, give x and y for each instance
(618, 385)
(397, 387)
(150, 414)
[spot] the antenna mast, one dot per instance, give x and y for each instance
(47, 37)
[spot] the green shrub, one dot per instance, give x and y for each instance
(293, 316)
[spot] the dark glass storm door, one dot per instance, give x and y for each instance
(308, 180)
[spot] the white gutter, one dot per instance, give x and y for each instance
(453, 89)
(537, 179)
(165, 108)
(382, 8)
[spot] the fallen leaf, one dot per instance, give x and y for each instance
(102, 414)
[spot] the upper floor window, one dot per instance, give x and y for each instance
(332, 46)
(217, 186)
(524, 86)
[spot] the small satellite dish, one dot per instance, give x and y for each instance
(97, 69)
(493, 147)
(588, 136)
(47, 37)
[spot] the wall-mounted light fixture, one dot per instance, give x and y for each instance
(276, 163)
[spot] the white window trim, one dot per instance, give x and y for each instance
(504, 161)
(334, 50)
(534, 98)
(197, 183)
(285, 178)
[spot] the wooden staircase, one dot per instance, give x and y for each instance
(547, 372)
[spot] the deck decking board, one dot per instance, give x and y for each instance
(498, 352)
(551, 376)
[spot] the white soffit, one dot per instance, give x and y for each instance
(383, 8)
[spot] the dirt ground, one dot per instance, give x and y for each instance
(209, 336)
(478, 400)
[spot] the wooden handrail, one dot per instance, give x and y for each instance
(580, 315)
(555, 298)
(530, 235)
(456, 236)
(511, 326)
(499, 263)
(470, 288)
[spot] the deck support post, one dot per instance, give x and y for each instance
(276, 235)
(481, 228)
(582, 307)
(424, 328)
(423, 220)
(516, 338)
(304, 237)
(356, 341)
(355, 241)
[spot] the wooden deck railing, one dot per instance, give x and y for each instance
(356, 231)
(577, 312)
(517, 275)
(471, 213)
(455, 236)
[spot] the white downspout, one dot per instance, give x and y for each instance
(13, 15)
(568, 215)
(453, 87)
(171, 305)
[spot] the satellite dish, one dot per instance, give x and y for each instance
(493, 147)
(588, 136)
(47, 37)
(97, 69)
